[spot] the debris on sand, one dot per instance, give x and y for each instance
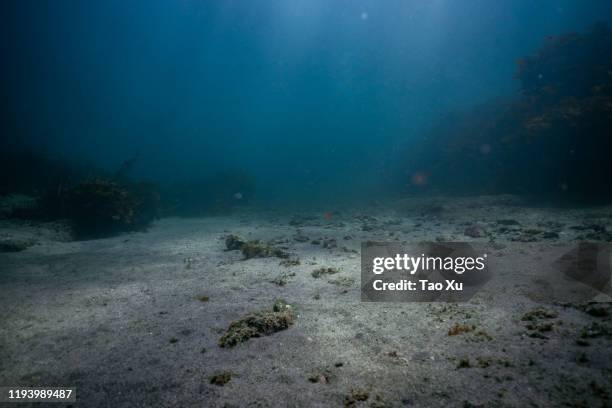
(203, 298)
(258, 324)
(253, 249)
(540, 327)
(258, 249)
(460, 329)
(481, 335)
(537, 314)
(320, 378)
(595, 309)
(234, 242)
(355, 396)
(598, 310)
(535, 324)
(317, 273)
(289, 262)
(594, 330)
(283, 278)
(220, 379)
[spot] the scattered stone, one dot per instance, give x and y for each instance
(481, 335)
(282, 279)
(483, 362)
(317, 273)
(318, 378)
(258, 249)
(355, 396)
(257, 324)
(222, 378)
(234, 242)
(536, 314)
(315, 242)
(173, 340)
(541, 327)
(281, 306)
(460, 329)
(595, 309)
(594, 330)
(289, 262)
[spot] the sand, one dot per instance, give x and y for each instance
(123, 318)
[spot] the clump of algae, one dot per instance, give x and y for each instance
(220, 379)
(317, 273)
(253, 249)
(233, 242)
(258, 324)
(259, 249)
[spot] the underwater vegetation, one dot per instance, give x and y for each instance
(103, 206)
(50, 189)
(257, 324)
(553, 140)
(99, 203)
(254, 248)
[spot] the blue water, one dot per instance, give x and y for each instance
(318, 100)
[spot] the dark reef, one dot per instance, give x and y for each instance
(552, 141)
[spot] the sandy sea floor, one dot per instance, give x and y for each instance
(123, 318)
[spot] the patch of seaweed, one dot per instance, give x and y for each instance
(254, 248)
(317, 273)
(258, 324)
